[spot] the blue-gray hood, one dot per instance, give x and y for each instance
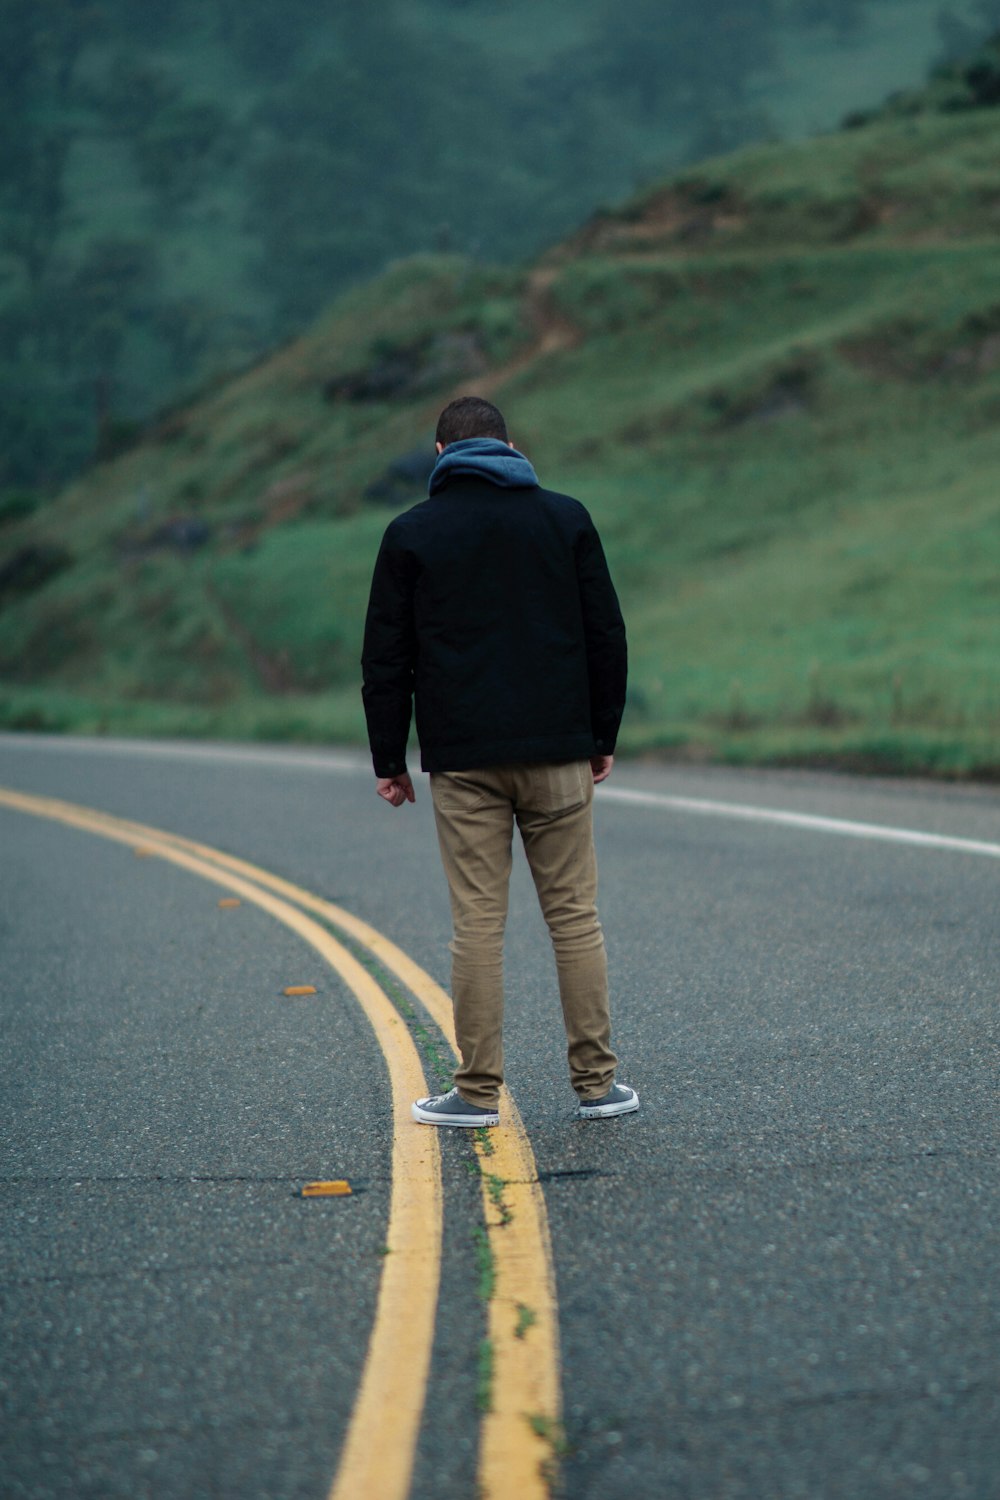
(483, 458)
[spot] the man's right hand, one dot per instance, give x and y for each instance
(396, 789)
(601, 767)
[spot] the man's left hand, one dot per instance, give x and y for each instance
(396, 789)
(601, 765)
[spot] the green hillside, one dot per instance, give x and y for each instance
(183, 185)
(775, 380)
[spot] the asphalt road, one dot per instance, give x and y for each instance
(777, 1280)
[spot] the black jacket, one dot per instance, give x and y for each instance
(494, 608)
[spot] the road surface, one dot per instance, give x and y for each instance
(778, 1279)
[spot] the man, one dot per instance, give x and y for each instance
(492, 606)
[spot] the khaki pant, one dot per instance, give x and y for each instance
(475, 813)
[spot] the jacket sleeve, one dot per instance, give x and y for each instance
(604, 630)
(388, 658)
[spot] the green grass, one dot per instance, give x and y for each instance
(783, 418)
(485, 1265)
(484, 1376)
(305, 185)
(526, 1320)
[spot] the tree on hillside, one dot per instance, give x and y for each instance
(181, 149)
(19, 64)
(64, 28)
(19, 55)
(675, 58)
(287, 150)
(133, 93)
(989, 13)
(961, 32)
(264, 37)
(151, 25)
(846, 17)
(372, 154)
(33, 201)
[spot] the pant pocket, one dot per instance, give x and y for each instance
(459, 791)
(559, 788)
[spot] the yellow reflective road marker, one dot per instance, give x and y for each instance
(519, 1431)
(337, 1189)
(299, 989)
(398, 1359)
(228, 901)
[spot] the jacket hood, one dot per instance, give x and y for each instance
(483, 458)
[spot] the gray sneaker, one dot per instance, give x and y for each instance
(617, 1101)
(452, 1109)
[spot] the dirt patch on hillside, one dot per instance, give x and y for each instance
(689, 215)
(408, 369)
(552, 333)
(910, 350)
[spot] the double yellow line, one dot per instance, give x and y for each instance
(518, 1432)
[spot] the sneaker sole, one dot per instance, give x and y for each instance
(603, 1111)
(470, 1122)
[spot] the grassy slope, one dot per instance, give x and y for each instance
(775, 381)
(206, 274)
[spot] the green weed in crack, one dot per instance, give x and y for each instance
(484, 1379)
(437, 1061)
(526, 1318)
(485, 1265)
(553, 1435)
(495, 1187)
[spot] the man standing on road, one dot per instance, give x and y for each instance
(492, 606)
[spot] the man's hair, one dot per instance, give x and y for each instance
(470, 417)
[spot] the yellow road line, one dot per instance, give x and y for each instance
(398, 1360)
(517, 1433)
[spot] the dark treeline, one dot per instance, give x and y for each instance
(183, 184)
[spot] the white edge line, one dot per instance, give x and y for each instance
(347, 761)
(336, 761)
(809, 821)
